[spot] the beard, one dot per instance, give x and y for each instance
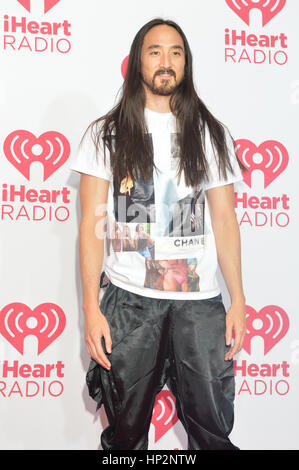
(165, 87)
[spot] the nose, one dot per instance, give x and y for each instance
(165, 60)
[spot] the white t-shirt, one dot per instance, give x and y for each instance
(160, 241)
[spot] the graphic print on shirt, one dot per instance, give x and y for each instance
(134, 200)
(187, 218)
(177, 275)
(174, 151)
(179, 233)
(131, 237)
(162, 225)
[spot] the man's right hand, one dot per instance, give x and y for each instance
(95, 327)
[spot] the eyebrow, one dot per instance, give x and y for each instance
(155, 46)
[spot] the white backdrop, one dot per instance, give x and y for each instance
(60, 69)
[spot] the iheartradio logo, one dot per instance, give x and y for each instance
(271, 157)
(164, 414)
(46, 322)
(271, 323)
(48, 4)
(22, 148)
(268, 8)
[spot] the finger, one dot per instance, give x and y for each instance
(231, 352)
(240, 345)
(228, 334)
(100, 359)
(101, 354)
(242, 340)
(94, 355)
(227, 354)
(238, 341)
(235, 349)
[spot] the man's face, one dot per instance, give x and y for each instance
(162, 60)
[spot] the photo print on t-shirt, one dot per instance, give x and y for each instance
(174, 151)
(176, 275)
(187, 215)
(131, 237)
(134, 199)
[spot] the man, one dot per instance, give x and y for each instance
(181, 166)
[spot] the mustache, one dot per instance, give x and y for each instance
(162, 71)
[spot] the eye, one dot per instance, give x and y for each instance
(154, 53)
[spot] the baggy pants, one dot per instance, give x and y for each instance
(180, 343)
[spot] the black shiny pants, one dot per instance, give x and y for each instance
(180, 343)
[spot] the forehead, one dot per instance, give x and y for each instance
(162, 35)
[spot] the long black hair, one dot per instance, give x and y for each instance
(124, 130)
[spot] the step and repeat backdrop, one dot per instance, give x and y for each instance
(62, 66)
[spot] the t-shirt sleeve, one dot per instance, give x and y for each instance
(88, 161)
(213, 172)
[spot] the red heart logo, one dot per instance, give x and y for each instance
(46, 322)
(268, 8)
(48, 4)
(164, 414)
(25, 4)
(21, 148)
(272, 326)
(274, 159)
